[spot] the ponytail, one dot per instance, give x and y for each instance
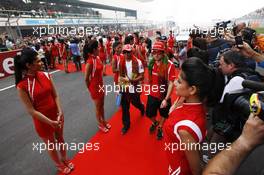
(198, 74)
(18, 68)
(26, 56)
(217, 88)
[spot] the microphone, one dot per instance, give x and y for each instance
(257, 86)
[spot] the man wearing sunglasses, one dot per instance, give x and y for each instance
(131, 72)
(161, 77)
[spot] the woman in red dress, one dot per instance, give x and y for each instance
(37, 92)
(54, 54)
(102, 54)
(186, 126)
(94, 83)
(109, 48)
(142, 52)
(63, 54)
(117, 49)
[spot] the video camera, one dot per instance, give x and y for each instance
(223, 24)
(236, 108)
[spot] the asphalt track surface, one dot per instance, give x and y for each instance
(18, 135)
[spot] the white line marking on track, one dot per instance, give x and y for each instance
(9, 87)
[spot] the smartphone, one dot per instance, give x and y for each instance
(239, 41)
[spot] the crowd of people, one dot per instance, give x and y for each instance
(210, 68)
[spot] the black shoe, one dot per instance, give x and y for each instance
(142, 111)
(159, 134)
(124, 130)
(153, 126)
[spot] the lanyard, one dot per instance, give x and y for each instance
(31, 90)
(94, 66)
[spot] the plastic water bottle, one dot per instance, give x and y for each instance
(118, 99)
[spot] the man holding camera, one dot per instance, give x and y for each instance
(229, 160)
(232, 65)
(226, 123)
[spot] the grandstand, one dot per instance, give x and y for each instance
(56, 8)
(17, 19)
(255, 18)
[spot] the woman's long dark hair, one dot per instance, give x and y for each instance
(26, 56)
(115, 45)
(93, 44)
(198, 74)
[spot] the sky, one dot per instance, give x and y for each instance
(187, 11)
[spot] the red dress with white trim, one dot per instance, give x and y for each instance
(102, 53)
(39, 89)
(96, 87)
(117, 59)
(191, 118)
(63, 51)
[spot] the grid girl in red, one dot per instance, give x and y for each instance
(37, 92)
(117, 49)
(54, 54)
(63, 54)
(108, 45)
(186, 125)
(102, 53)
(94, 83)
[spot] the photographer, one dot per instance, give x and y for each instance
(214, 46)
(226, 123)
(229, 160)
(232, 65)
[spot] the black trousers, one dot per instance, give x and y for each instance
(134, 98)
(77, 62)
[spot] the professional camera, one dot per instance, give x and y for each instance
(248, 35)
(229, 117)
(223, 25)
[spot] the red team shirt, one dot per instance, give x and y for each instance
(39, 89)
(155, 79)
(191, 118)
(96, 82)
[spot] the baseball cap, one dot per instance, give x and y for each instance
(158, 46)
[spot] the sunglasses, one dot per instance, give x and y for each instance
(155, 52)
(126, 52)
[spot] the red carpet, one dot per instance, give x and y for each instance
(136, 153)
(72, 69)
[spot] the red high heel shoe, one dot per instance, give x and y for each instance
(69, 164)
(63, 169)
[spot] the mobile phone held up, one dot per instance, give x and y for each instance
(239, 41)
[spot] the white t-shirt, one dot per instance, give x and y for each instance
(129, 68)
(234, 84)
